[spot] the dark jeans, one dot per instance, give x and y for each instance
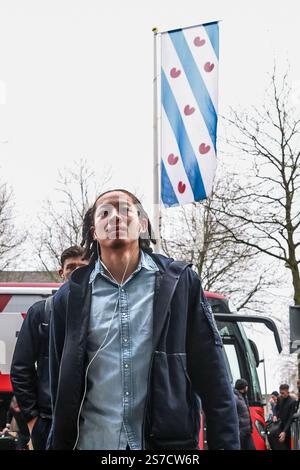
(40, 433)
(246, 442)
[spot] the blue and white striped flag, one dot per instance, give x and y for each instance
(189, 103)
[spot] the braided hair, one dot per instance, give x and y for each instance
(90, 245)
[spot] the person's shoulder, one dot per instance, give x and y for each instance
(160, 260)
(34, 315)
(62, 290)
(185, 269)
(61, 294)
(167, 263)
(292, 399)
(60, 301)
(36, 308)
(191, 270)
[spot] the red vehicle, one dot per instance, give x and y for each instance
(241, 354)
(15, 300)
(242, 358)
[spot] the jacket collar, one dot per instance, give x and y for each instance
(145, 261)
(79, 279)
(166, 282)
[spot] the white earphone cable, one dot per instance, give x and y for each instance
(101, 347)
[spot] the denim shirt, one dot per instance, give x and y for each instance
(120, 329)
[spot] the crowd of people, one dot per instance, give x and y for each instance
(283, 406)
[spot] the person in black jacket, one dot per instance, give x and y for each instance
(30, 363)
(243, 411)
(280, 435)
(134, 345)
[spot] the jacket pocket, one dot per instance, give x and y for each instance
(173, 409)
(212, 322)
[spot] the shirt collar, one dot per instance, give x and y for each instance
(145, 261)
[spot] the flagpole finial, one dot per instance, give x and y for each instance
(155, 30)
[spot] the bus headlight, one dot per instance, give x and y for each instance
(260, 428)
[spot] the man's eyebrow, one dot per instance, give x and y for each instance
(118, 203)
(105, 205)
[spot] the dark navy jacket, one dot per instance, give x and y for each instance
(187, 363)
(30, 369)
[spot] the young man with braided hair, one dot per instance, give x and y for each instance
(133, 345)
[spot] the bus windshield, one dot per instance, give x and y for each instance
(239, 358)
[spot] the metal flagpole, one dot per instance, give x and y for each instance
(156, 153)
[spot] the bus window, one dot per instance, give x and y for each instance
(232, 359)
(239, 358)
(257, 396)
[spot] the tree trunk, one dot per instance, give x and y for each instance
(296, 284)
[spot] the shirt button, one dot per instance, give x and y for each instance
(127, 393)
(126, 366)
(125, 340)
(124, 314)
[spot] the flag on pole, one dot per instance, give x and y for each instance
(189, 103)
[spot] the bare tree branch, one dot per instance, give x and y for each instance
(62, 222)
(10, 241)
(270, 212)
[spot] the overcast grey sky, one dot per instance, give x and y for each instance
(78, 78)
(76, 81)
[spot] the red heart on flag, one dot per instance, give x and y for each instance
(174, 72)
(172, 160)
(204, 148)
(188, 110)
(181, 187)
(208, 67)
(199, 42)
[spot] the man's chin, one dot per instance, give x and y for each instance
(118, 242)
